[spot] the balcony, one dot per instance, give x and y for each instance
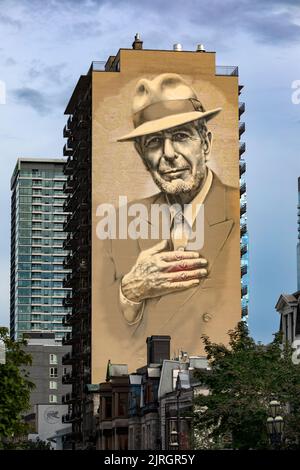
(67, 263)
(242, 168)
(67, 152)
(68, 379)
(243, 229)
(242, 148)
(66, 132)
(244, 291)
(244, 250)
(244, 270)
(67, 319)
(242, 128)
(68, 186)
(68, 168)
(228, 70)
(241, 109)
(243, 209)
(242, 189)
(67, 339)
(69, 398)
(244, 311)
(68, 242)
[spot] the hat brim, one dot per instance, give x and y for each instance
(168, 122)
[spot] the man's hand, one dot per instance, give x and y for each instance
(158, 272)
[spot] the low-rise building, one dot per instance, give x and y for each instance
(151, 408)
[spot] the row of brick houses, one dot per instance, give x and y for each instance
(147, 409)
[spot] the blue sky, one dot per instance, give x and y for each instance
(46, 45)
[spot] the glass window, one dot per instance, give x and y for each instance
(52, 358)
(24, 300)
(52, 398)
(53, 385)
(53, 372)
(25, 241)
(23, 291)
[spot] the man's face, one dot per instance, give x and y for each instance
(176, 158)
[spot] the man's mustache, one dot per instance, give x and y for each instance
(165, 169)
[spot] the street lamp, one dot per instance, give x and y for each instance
(275, 424)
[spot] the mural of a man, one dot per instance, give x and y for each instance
(164, 287)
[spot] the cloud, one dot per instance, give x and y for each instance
(10, 61)
(50, 73)
(8, 20)
(32, 98)
(271, 21)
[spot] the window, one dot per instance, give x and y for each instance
(122, 404)
(52, 398)
(52, 358)
(53, 372)
(65, 371)
(53, 385)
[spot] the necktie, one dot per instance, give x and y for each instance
(179, 231)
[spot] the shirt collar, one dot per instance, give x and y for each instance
(191, 210)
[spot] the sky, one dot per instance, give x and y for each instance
(46, 45)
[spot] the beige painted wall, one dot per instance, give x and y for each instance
(117, 170)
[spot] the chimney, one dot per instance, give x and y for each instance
(137, 43)
(158, 349)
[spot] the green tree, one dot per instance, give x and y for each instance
(15, 388)
(244, 378)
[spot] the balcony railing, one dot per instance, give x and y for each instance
(244, 249)
(244, 291)
(242, 189)
(242, 128)
(241, 108)
(244, 270)
(244, 311)
(67, 151)
(242, 168)
(242, 148)
(243, 229)
(243, 208)
(229, 70)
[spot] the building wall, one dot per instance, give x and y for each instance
(37, 254)
(298, 244)
(117, 170)
(43, 366)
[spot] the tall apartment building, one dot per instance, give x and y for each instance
(38, 300)
(298, 244)
(93, 121)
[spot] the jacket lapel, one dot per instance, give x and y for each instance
(216, 231)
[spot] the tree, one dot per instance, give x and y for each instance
(244, 378)
(15, 389)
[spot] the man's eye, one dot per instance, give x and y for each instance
(180, 136)
(155, 141)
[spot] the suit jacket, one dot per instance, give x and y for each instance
(211, 308)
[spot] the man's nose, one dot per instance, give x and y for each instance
(169, 152)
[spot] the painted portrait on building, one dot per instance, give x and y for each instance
(166, 236)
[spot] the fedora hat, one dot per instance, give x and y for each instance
(161, 103)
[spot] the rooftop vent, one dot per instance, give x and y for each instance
(200, 48)
(177, 47)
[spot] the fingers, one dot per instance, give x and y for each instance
(161, 246)
(185, 275)
(179, 255)
(185, 265)
(176, 286)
